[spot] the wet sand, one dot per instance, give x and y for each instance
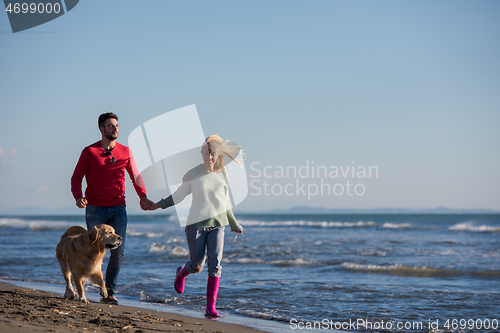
(28, 310)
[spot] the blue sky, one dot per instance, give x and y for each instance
(409, 87)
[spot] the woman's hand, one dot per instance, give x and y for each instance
(238, 231)
(154, 206)
(236, 237)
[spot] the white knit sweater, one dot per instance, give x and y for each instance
(210, 206)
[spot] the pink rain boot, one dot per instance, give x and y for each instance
(180, 276)
(212, 291)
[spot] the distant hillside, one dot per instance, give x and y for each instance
(293, 210)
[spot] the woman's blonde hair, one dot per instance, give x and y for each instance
(226, 149)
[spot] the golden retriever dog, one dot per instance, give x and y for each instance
(80, 253)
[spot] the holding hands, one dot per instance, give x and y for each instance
(154, 206)
(146, 203)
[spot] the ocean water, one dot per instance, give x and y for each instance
(376, 273)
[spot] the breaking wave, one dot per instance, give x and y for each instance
(37, 225)
(156, 298)
(174, 251)
(262, 315)
(149, 234)
(279, 263)
(471, 227)
(417, 271)
(322, 224)
(397, 226)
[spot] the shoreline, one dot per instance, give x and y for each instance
(24, 310)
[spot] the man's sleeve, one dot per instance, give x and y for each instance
(135, 176)
(80, 171)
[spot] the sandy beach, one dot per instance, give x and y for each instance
(28, 310)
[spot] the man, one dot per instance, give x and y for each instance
(103, 165)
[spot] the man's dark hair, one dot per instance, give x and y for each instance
(105, 116)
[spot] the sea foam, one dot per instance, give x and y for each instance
(417, 271)
(469, 226)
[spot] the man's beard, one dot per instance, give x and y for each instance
(110, 136)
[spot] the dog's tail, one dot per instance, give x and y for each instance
(74, 231)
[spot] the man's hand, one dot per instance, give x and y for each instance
(81, 203)
(146, 203)
(154, 206)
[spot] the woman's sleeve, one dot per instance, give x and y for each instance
(167, 202)
(235, 226)
(178, 195)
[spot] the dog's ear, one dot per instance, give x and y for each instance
(93, 234)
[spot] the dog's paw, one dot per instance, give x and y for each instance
(104, 293)
(70, 296)
(84, 300)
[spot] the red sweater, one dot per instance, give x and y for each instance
(105, 180)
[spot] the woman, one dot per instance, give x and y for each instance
(210, 212)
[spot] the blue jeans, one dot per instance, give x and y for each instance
(117, 218)
(213, 240)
